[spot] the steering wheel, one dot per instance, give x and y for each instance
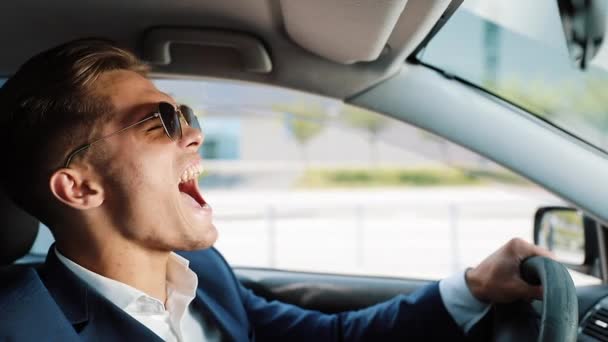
(558, 318)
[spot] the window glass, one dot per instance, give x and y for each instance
(302, 182)
(517, 50)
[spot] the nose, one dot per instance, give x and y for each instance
(192, 138)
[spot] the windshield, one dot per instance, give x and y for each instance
(517, 50)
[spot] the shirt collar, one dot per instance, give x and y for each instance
(180, 278)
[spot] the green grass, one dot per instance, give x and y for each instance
(387, 177)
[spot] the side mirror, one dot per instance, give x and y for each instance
(570, 235)
(584, 24)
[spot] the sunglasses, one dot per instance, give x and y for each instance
(170, 117)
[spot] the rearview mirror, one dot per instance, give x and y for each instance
(570, 235)
(584, 24)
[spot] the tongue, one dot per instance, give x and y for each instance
(190, 199)
(189, 189)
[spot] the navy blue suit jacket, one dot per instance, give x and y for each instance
(52, 304)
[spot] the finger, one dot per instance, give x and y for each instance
(543, 252)
(536, 292)
(528, 292)
(526, 249)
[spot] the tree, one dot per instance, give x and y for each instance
(304, 122)
(536, 95)
(577, 104)
(593, 106)
(442, 143)
(371, 122)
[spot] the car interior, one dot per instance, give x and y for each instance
(364, 53)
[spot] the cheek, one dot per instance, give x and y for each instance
(141, 188)
(143, 169)
(124, 175)
(136, 182)
(138, 203)
(121, 184)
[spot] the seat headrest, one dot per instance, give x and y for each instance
(18, 231)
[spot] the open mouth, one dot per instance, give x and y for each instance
(188, 185)
(190, 188)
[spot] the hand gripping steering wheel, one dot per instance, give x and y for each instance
(559, 314)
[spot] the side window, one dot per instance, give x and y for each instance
(311, 184)
(302, 182)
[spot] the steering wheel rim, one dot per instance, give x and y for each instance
(559, 318)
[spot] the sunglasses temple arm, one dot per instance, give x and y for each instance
(84, 147)
(74, 153)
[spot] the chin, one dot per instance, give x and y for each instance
(203, 240)
(195, 225)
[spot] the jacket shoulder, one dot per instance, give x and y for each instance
(26, 303)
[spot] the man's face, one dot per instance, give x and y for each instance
(143, 171)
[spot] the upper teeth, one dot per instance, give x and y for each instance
(192, 172)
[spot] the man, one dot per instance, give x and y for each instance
(109, 163)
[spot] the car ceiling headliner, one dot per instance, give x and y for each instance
(30, 26)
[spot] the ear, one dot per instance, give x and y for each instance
(71, 187)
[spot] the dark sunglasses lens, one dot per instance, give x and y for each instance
(170, 119)
(191, 119)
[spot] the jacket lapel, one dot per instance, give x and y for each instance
(92, 316)
(218, 316)
(217, 297)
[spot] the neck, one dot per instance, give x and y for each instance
(121, 260)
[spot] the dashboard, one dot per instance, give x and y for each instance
(593, 313)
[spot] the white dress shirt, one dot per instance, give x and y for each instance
(465, 309)
(176, 321)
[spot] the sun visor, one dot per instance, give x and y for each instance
(344, 31)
